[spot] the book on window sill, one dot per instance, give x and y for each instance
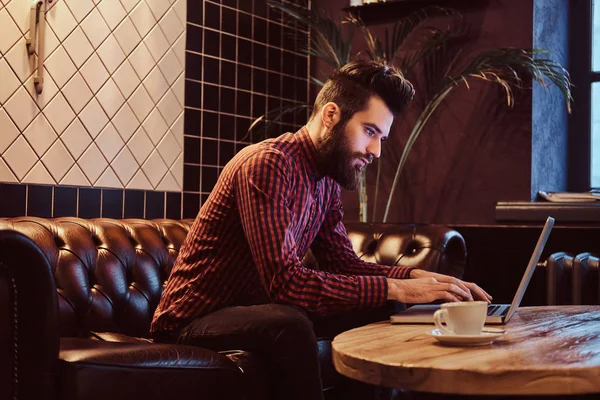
(570, 197)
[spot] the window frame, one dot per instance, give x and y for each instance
(580, 67)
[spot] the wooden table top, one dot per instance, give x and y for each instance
(547, 350)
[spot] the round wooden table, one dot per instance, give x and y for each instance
(547, 350)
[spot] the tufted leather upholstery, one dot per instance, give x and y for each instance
(87, 290)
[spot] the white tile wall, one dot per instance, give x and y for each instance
(111, 113)
(5, 174)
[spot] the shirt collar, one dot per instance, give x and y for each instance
(309, 153)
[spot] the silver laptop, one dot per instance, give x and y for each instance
(497, 313)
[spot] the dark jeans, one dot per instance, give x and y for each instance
(284, 338)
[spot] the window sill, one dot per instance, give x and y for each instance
(389, 11)
(538, 212)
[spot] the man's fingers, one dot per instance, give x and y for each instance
(476, 292)
(461, 284)
(480, 293)
(484, 295)
(448, 296)
(437, 287)
(457, 291)
(489, 296)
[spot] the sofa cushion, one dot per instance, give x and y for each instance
(94, 369)
(118, 338)
(251, 365)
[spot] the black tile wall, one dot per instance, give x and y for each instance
(195, 12)
(191, 177)
(210, 149)
(155, 205)
(241, 62)
(210, 125)
(209, 178)
(46, 201)
(173, 207)
(245, 5)
(227, 127)
(193, 94)
(134, 204)
(191, 122)
(112, 203)
(12, 199)
(89, 202)
(65, 201)
(191, 204)
(193, 66)
(192, 150)
(39, 201)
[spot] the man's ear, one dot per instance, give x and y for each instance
(330, 115)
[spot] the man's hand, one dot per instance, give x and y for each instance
(473, 292)
(424, 290)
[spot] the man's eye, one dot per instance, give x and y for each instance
(370, 131)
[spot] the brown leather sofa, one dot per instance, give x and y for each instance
(77, 297)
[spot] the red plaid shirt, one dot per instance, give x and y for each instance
(245, 247)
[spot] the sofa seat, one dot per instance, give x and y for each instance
(94, 369)
(247, 362)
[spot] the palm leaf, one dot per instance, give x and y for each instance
(506, 67)
(414, 135)
(268, 120)
(377, 180)
(317, 81)
(328, 41)
(401, 30)
(435, 45)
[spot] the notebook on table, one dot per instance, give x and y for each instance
(497, 313)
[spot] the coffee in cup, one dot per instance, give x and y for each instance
(461, 318)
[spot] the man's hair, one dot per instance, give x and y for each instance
(352, 86)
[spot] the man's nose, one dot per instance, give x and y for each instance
(374, 148)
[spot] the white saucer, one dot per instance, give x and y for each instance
(465, 340)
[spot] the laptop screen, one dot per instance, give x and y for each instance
(535, 257)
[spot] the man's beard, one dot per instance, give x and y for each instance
(336, 160)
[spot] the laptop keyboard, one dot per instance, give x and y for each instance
(493, 309)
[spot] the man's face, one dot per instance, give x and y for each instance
(348, 148)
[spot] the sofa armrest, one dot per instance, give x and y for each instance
(453, 251)
(28, 319)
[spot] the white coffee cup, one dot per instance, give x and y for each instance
(461, 318)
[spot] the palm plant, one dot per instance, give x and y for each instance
(438, 55)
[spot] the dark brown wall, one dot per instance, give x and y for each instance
(474, 151)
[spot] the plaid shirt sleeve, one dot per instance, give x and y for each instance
(333, 248)
(264, 186)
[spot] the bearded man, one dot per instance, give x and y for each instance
(239, 281)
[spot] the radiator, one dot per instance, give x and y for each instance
(572, 279)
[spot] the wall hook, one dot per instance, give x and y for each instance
(37, 25)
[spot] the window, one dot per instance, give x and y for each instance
(584, 66)
(595, 88)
